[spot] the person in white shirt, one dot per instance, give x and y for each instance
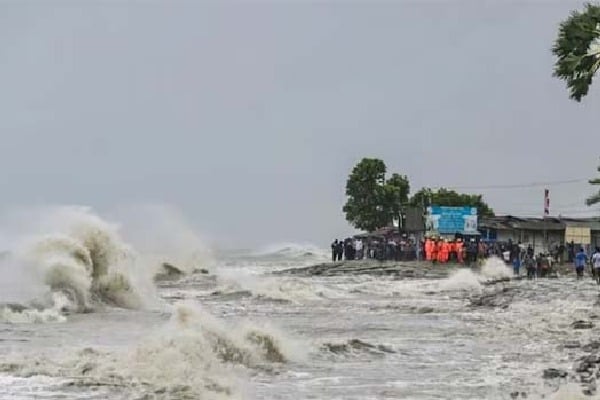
(596, 264)
(358, 247)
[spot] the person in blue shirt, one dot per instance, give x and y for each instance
(580, 261)
(516, 265)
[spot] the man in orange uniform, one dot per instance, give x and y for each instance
(445, 251)
(435, 246)
(452, 250)
(442, 249)
(428, 249)
(459, 251)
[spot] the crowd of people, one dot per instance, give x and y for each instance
(458, 250)
(402, 248)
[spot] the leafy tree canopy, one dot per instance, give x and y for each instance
(447, 197)
(577, 49)
(373, 202)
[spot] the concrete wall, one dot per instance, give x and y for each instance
(595, 239)
(534, 238)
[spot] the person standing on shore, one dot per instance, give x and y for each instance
(358, 247)
(596, 264)
(428, 248)
(580, 261)
(334, 249)
(459, 251)
(516, 266)
(434, 250)
(340, 250)
(531, 267)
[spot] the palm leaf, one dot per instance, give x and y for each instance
(576, 63)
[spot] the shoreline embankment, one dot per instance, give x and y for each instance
(405, 269)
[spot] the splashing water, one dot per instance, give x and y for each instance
(495, 268)
(81, 256)
(462, 280)
(293, 251)
(193, 356)
(161, 234)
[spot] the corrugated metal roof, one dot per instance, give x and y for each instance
(509, 222)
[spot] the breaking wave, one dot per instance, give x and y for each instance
(466, 279)
(193, 356)
(19, 314)
(293, 251)
(82, 257)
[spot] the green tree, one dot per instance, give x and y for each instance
(594, 199)
(577, 49)
(372, 201)
(396, 191)
(446, 197)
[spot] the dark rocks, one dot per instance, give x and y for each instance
(585, 375)
(553, 373)
(515, 395)
(425, 310)
(592, 359)
(168, 272)
(240, 294)
(357, 345)
(592, 346)
(200, 271)
(582, 367)
(572, 344)
(590, 389)
(405, 269)
(496, 299)
(497, 280)
(582, 325)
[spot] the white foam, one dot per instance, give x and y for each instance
(495, 268)
(194, 355)
(290, 250)
(571, 391)
(463, 279)
(30, 316)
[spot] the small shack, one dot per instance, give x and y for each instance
(543, 234)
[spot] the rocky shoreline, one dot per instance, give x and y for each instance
(408, 269)
(584, 354)
(586, 363)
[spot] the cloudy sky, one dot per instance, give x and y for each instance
(247, 117)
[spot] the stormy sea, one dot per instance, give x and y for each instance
(92, 308)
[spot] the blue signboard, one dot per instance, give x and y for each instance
(451, 220)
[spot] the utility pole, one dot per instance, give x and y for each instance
(546, 214)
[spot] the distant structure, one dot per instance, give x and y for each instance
(543, 234)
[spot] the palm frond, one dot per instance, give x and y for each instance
(575, 49)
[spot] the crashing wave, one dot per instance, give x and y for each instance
(83, 258)
(193, 356)
(493, 271)
(292, 251)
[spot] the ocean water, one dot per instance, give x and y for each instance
(82, 319)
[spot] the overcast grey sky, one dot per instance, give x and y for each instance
(248, 117)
